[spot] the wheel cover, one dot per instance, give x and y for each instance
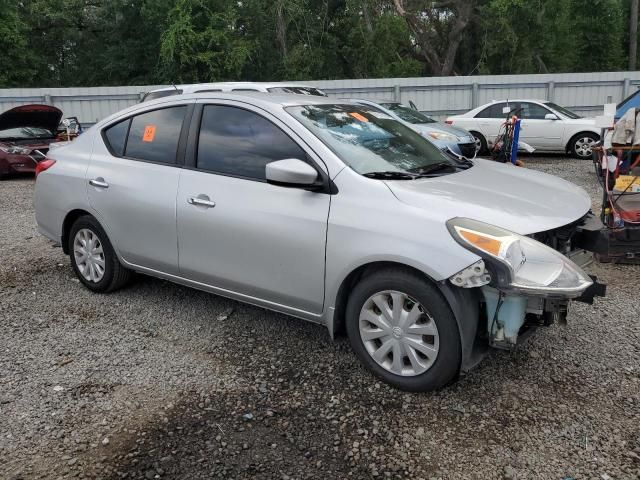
(398, 333)
(89, 255)
(584, 146)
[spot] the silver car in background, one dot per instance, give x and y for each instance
(442, 135)
(328, 211)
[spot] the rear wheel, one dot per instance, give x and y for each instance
(481, 143)
(581, 145)
(93, 259)
(403, 330)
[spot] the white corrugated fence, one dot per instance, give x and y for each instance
(585, 93)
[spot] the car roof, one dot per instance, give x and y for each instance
(282, 99)
(513, 100)
(265, 85)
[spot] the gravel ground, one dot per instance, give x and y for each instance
(161, 381)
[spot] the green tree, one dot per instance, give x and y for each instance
(202, 42)
(18, 59)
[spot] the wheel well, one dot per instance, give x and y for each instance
(569, 145)
(68, 222)
(353, 278)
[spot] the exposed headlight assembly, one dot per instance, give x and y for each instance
(16, 150)
(519, 263)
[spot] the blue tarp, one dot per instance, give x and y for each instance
(632, 101)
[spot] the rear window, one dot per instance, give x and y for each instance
(151, 136)
(160, 94)
(116, 137)
(494, 111)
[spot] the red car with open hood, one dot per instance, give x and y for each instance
(25, 135)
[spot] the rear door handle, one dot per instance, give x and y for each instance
(201, 201)
(99, 182)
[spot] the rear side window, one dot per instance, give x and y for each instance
(240, 143)
(494, 111)
(154, 136)
(116, 137)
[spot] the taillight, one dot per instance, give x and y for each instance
(450, 122)
(44, 165)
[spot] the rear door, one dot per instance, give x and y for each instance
(236, 231)
(490, 120)
(132, 185)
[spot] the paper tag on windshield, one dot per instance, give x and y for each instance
(149, 133)
(357, 116)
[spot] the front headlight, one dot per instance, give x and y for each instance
(520, 263)
(16, 150)
(446, 137)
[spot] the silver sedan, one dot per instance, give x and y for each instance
(332, 212)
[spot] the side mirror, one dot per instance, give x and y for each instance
(551, 116)
(291, 172)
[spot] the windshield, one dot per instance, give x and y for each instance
(408, 114)
(298, 90)
(25, 132)
(564, 111)
(368, 140)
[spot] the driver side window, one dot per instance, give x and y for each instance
(533, 111)
(240, 143)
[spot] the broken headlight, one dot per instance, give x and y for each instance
(519, 263)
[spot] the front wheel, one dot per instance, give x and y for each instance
(481, 143)
(403, 330)
(581, 145)
(93, 259)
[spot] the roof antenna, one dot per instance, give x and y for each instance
(174, 86)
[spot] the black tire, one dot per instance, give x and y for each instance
(115, 275)
(447, 363)
(574, 148)
(483, 142)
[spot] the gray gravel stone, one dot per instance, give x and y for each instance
(157, 371)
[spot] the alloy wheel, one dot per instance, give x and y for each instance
(399, 333)
(584, 146)
(89, 255)
(478, 143)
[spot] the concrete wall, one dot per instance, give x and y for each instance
(585, 93)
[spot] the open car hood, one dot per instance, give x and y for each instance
(517, 199)
(41, 116)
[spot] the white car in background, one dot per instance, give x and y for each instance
(545, 126)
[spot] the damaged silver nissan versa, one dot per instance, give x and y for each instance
(335, 213)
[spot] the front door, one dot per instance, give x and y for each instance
(239, 233)
(536, 130)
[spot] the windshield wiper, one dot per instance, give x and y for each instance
(391, 175)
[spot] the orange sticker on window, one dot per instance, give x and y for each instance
(149, 133)
(357, 116)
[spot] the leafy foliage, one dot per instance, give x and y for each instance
(120, 42)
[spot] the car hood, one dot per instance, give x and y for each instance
(443, 127)
(41, 116)
(514, 198)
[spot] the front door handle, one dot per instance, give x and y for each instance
(99, 182)
(201, 201)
